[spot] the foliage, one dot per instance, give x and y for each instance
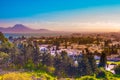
(29, 65)
(101, 73)
(84, 67)
(50, 70)
(86, 78)
(4, 57)
(2, 38)
(61, 64)
(92, 62)
(103, 60)
(117, 69)
(47, 59)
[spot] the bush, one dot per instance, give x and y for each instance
(51, 70)
(101, 73)
(29, 65)
(87, 78)
(117, 69)
(104, 75)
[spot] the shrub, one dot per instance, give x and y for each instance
(50, 69)
(3, 57)
(101, 73)
(117, 69)
(87, 78)
(29, 65)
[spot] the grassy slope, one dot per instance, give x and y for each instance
(45, 76)
(27, 76)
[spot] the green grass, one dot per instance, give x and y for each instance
(27, 76)
(45, 76)
(111, 62)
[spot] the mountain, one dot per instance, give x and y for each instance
(20, 28)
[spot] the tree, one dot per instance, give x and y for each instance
(4, 57)
(5, 45)
(65, 43)
(84, 67)
(57, 44)
(103, 60)
(37, 58)
(2, 38)
(61, 64)
(47, 59)
(14, 55)
(29, 52)
(92, 62)
(57, 65)
(26, 53)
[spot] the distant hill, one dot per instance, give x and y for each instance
(20, 28)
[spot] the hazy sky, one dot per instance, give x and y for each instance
(62, 15)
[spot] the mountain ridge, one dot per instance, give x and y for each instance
(20, 28)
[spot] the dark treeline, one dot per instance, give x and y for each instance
(71, 39)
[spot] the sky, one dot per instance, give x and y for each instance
(62, 15)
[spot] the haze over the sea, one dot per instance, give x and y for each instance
(62, 15)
